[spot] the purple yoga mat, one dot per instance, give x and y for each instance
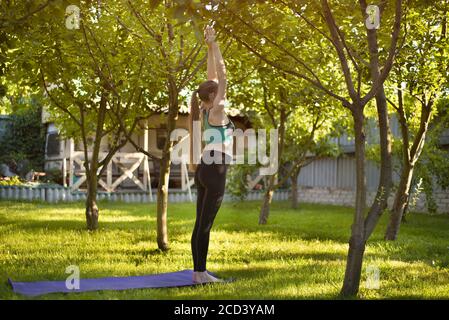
(161, 280)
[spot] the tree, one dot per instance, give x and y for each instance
(302, 116)
(421, 76)
(88, 86)
(178, 44)
(385, 180)
(290, 59)
(309, 134)
(431, 169)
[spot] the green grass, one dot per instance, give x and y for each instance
(299, 254)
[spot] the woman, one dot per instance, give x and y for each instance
(210, 177)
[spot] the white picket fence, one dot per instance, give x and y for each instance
(60, 194)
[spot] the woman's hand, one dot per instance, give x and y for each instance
(209, 35)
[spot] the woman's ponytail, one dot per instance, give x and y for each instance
(194, 135)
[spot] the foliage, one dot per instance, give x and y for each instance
(418, 84)
(432, 168)
(24, 140)
(15, 18)
(13, 181)
(53, 176)
(436, 157)
(237, 180)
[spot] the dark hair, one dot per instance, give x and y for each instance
(203, 92)
(206, 88)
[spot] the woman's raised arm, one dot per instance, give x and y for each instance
(220, 66)
(209, 36)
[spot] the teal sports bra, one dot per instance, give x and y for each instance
(224, 137)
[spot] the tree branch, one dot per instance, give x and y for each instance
(288, 70)
(391, 54)
(333, 28)
(65, 110)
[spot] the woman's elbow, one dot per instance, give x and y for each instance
(222, 80)
(221, 74)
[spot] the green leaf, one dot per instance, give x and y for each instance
(154, 4)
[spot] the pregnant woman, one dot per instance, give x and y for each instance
(210, 173)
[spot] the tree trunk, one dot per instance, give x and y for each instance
(404, 214)
(357, 241)
(265, 209)
(164, 174)
(380, 202)
(400, 202)
(410, 156)
(162, 201)
(295, 190)
(92, 211)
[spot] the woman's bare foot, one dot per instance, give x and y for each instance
(204, 277)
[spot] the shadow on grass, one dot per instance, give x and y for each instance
(288, 233)
(78, 225)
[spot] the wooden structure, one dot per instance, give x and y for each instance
(127, 164)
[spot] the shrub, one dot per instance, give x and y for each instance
(22, 145)
(237, 184)
(53, 176)
(13, 181)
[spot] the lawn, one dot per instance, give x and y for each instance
(299, 254)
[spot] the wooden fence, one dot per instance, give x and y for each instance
(55, 194)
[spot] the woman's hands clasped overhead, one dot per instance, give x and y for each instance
(209, 35)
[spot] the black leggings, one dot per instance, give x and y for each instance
(210, 180)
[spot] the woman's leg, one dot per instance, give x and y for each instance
(213, 178)
(199, 206)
